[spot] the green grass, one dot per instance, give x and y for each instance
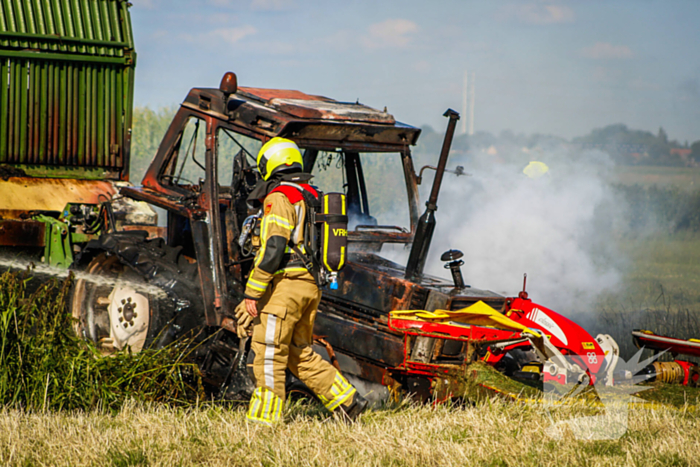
(660, 291)
(682, 177)
(490, 378)
(45, 366)
(672, 395)
(664, 263)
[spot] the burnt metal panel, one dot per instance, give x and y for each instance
(419, 298)
(436, 300)
(368, 288)
(331, 111)
(322, 124)
(66, 85)
(200, 234)
(301, 105)
(22, 233)
(359, 340)
(211, 200)
(263, 94)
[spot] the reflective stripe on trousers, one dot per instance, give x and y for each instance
(270, 351)
(341, 392)
(265, 407)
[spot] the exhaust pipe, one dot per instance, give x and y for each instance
(426, 223)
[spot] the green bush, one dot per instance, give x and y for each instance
(149, 127)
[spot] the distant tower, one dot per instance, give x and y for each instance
(465, 91)
(472, 94)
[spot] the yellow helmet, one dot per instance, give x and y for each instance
(536, 169)
(279, 155)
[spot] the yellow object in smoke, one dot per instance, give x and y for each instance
(536, 169)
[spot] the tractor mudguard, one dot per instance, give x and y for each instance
(570, 338)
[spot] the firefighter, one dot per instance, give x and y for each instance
(281, 296)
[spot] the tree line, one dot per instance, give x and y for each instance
(671, 209)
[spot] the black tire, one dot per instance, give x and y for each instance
(298, 391)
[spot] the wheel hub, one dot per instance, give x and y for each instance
(127, 311)
(128, 316)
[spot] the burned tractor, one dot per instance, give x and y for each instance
(188, 283)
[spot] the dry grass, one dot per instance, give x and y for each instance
(493, 433)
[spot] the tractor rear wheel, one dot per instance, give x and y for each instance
(114, 307)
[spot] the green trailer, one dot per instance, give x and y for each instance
(66, 102)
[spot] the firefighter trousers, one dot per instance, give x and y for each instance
(282, 338)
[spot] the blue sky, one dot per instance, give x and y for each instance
(558, 67)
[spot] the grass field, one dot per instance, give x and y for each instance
(684, 177)
(492, 433)
(665, 268)
(662, 266)
(660, 290)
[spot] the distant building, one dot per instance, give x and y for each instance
(682, 152)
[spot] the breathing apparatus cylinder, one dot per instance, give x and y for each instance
(334, 235)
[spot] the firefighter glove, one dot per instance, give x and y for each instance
(244, 320)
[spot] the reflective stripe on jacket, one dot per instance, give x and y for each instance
(282, 221)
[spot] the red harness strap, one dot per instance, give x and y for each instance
(292, 194)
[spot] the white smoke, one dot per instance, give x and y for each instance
(43, 271)
(556, 228)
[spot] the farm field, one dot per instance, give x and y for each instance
(671, 262)
(681, 177)
(660, 290)
(492, 433)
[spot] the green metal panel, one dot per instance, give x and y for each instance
(66, 84)
(4, 107)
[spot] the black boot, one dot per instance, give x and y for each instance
(352, 412)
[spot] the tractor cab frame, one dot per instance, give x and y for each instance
(205, 216)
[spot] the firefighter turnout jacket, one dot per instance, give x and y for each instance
(282, 226)
(288, 299)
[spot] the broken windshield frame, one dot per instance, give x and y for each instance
(360, 193)
(380, 190)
